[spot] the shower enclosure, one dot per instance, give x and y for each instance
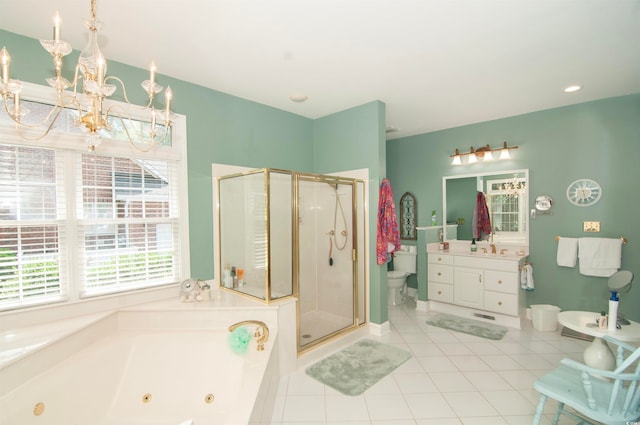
(284, 233)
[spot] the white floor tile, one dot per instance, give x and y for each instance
(302, 384)
(484, 420)
(425, 349)
(501, 362)
(346, 408)
(439, 421)
(510, 402)
(451, 379)
(447, 382)
(411, 383)
(302, 408)
(487, 381)
(470, 404)
(469, 363)
(431, 405)
(437, 364)
(387, 406)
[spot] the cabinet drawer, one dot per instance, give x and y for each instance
(440, 259)
(501, 281)
(440, 292)
(500, 302)
(440, 273)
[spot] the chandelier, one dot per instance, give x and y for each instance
(515, 187)
(86, 94)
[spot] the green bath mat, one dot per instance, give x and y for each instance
(468, 326)
(356, 368)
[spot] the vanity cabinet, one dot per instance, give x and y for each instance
(486, 284)
(440, 278)
(468, 287)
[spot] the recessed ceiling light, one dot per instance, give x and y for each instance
(298, 98)
(572, 89)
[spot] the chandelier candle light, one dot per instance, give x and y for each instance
(88, 99)
(485, 153)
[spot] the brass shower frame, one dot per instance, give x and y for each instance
(359, 317)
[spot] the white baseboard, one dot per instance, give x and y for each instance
(421, 305)
(380, 329)
(480, 315)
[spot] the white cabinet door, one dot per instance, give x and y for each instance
(468, 287)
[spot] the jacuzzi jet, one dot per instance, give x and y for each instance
(208, 398)
(146, 398)
(38, 409)
(306, 336)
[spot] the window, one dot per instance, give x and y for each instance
(507, 209)
(32, 227)
(75, 224)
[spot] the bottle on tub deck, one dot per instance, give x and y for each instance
(602, 321)
(226, 277)
(234, 277)
(474, 247)
(613, 312)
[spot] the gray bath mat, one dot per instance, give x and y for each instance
(356, 368)
(468, 326)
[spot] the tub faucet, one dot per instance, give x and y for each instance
(493, 248)
(261, 333)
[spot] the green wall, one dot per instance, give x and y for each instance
(226, 129)
(599, 140)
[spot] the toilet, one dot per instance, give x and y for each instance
(404, 264)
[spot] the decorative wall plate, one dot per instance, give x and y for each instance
(584, 192)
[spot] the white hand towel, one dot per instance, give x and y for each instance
(599, 256)
(567, 252)
(528, 270)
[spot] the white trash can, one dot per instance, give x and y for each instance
(545, 317)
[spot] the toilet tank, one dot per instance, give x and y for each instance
(405, 261)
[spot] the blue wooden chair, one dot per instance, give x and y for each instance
(603, 396)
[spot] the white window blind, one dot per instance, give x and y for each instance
(32, 227)
(127, 232)
(75, 224)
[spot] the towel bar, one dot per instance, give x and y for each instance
(623, 239)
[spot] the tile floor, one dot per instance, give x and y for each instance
(452, 379)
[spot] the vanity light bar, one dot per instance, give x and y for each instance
(485, 153)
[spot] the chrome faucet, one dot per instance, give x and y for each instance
(261, 333)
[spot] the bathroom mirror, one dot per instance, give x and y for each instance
(507, 197)
(620, 281)
(544, 203)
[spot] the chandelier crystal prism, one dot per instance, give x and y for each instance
(86, 94)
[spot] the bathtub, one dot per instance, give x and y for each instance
(150, 366)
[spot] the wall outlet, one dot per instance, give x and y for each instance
(591, 226)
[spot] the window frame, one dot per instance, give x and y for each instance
(501, 235)
(69, 147)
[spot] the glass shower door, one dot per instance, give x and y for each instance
(326, 259)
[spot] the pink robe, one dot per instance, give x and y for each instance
(388, 235)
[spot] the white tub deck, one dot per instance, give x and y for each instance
(96, 369)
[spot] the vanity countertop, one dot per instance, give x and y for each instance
(462, 248)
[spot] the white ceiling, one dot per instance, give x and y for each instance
(436, 64)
